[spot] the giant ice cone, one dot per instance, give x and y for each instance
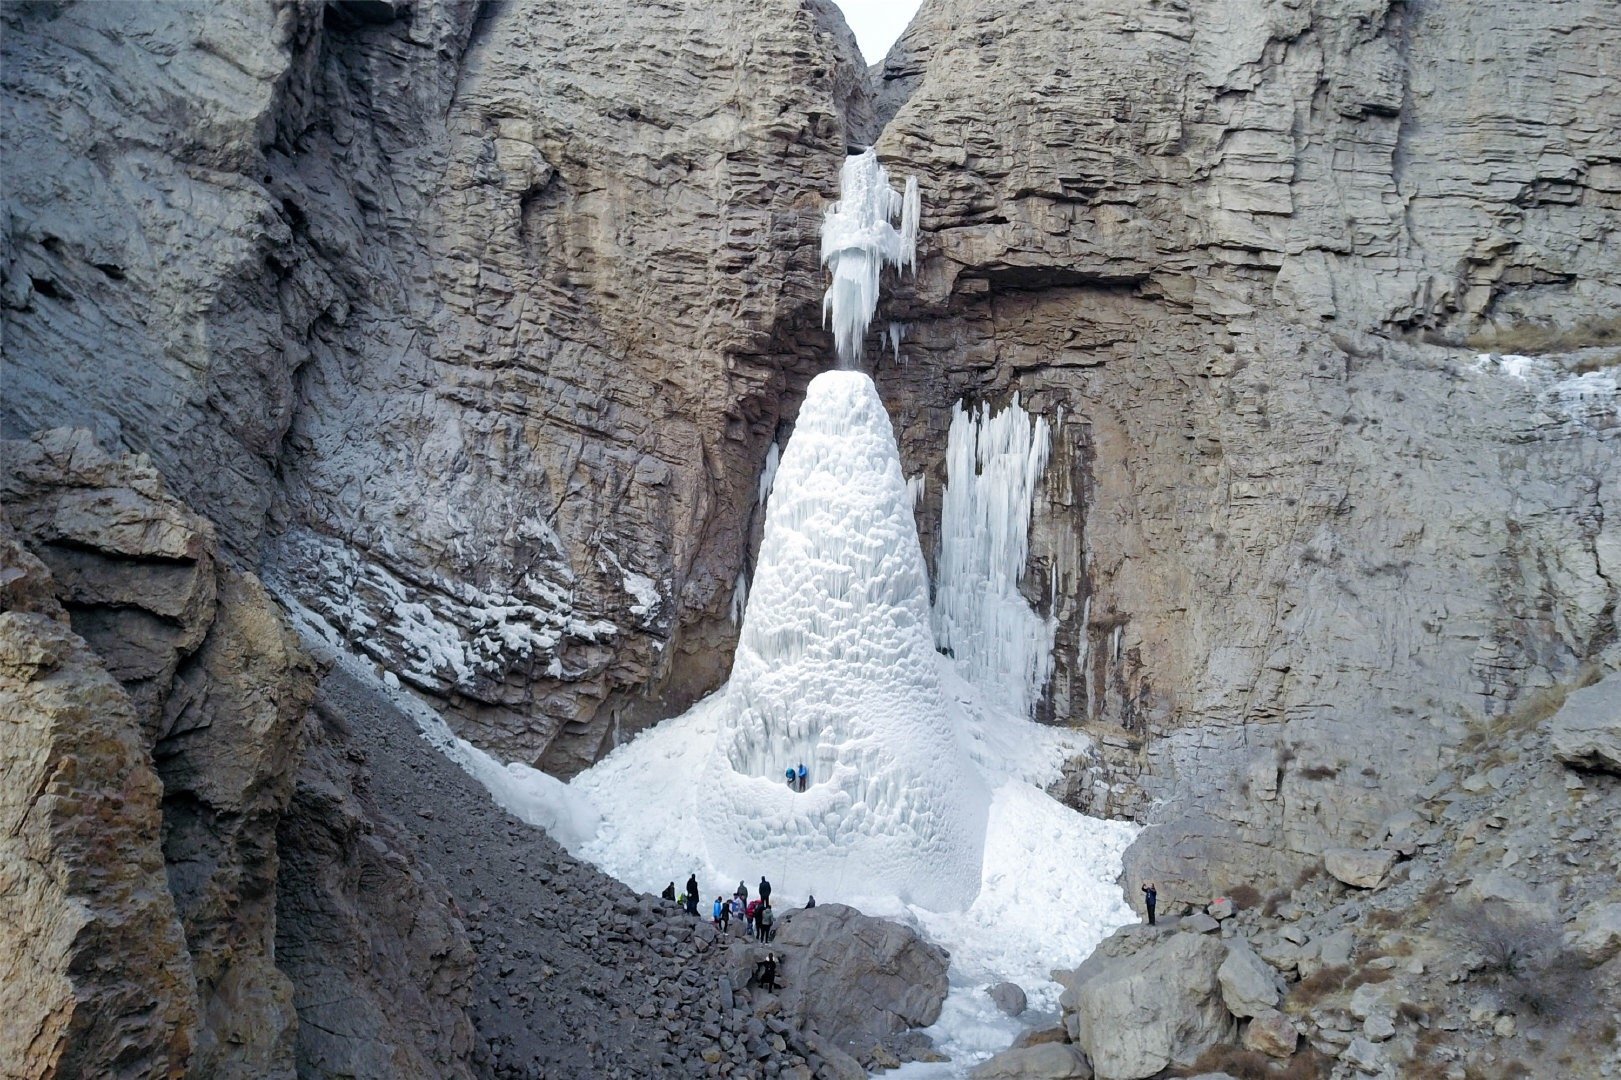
(836, 668)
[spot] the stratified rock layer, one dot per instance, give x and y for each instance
(481, 316)
(1244, 257)
(93, 962)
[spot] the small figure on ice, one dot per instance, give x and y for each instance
(792, 783)
(802, 776)
(1150, 898)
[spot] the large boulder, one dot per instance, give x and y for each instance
(1044, 1061)
(1143, 1002)
(1248, 986)
(1272, 1033)
(1359, 868)
(858, 979)
(1586, 731)
(1596, 933)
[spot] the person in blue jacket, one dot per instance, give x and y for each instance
(803, 776)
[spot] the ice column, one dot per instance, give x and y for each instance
(836, 667)
(858, 240)
(993, 464)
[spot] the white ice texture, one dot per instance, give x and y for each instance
(836, 668)
(859, 239)
(993, 464)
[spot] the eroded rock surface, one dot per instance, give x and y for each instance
(1586, 731)
(1295, 528)
(1145, 1000)
(482, 316)
(93, 961)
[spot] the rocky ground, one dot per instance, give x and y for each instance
(1480, 939)
(575, 975)
(300, 883)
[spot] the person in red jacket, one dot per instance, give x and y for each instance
(753, 911)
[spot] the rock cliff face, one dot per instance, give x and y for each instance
(93, 963)
(1297, 534)
(483, 316)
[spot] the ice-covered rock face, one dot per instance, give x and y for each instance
(858, 241)
(836, 668)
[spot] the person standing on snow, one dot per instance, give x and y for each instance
(765, 890)
(1150, 898)
(803, 776)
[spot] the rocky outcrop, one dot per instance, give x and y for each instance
(1045, 1061)
(220, 686)
(93, 961)
(1586, 731)
(1144, 1001)
(1291, 508)
(856, 979)
(483, 315)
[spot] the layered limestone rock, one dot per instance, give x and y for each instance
(93, 961)
(1296, 530)
(482, 315)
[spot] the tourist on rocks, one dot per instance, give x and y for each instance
(765, 920)
(692, 894)
(811, 902)
(669, 891)
(1150, 898)
(768, 975)
(765, 890)
(725, 913)
(716, 910)
(742, 892)
(736, 907)
(802, 776)
(754, 916)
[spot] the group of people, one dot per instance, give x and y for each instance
(757, 912)
(798, 778)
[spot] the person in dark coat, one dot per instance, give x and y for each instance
(669, 891)
(765, 921)
(692, 894)
(811, 902)
(768, 975)
(742, 892)
(765, 889)
(802, 776)
(1150, 898)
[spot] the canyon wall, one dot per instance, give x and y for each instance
(469, 326)
(1297, 533)
(469, 323)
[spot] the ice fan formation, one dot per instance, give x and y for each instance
(858, 240)
(836, 668)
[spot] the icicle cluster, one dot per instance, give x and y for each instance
(993, 464)
(858, 240)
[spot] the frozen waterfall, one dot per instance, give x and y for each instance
(993, 464)
(858, 240)
(836, 668)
